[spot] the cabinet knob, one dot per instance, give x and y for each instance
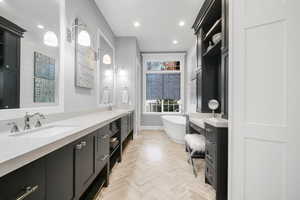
(79, 146)
(5, 106)
(83, 143)
(7, 66)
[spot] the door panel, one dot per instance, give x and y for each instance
(31, 176)
(265, 132)
(60, 174)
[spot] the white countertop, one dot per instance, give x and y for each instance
(216, 122)
(16, 152)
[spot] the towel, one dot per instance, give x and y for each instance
(125, 97)
(105, 97)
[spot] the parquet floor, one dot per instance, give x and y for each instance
(155, 168)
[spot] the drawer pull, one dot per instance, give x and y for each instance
(105, 157)
(78, 146)
(83, 143)
(28, 191)
(105, 136)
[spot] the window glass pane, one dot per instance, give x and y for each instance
(154, 86)
(171, 88)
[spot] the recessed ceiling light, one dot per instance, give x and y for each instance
(136, 24)
(175, 42)
(39, 26)
(181, 23)
(1, 1)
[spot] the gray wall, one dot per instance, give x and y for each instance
(79, 99)
(127, 53)
(191, 100)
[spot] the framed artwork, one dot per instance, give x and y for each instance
(85, 61)
(44, 78)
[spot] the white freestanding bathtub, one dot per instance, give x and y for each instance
(174, 127)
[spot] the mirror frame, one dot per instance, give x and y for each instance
(101, 34)
(8, 114)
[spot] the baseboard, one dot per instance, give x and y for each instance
(155, 128)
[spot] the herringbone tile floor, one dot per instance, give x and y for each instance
(155, 168)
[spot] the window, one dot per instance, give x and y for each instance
(163, 84)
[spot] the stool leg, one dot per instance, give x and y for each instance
(194, 169)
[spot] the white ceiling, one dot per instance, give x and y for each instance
(159, 21)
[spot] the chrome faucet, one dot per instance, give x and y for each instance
(28, 117)
(14, 127)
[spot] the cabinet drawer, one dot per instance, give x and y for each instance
(28, 181)
(210, 175)
(210, 153)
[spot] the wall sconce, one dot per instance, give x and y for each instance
(50, 39)
(84, 38)
(80, 33)
(106, 59)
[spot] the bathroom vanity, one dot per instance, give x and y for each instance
(64, 166)
(216, 153)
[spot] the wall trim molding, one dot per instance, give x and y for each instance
(155, 128)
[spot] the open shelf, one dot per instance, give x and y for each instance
(215, 50)
(216, 28)
(114, 150)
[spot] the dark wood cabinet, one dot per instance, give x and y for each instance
(224, 82)
(124, 127)
(84, 163)
(28, 181)
(216, 159)
(68, 173)
(225, 25)
(211, 21)
(59, 174)
(10, 42)
(127, 125)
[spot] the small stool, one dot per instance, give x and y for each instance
(195, 143)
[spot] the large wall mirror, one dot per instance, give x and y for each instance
(106, 72)
(30, 53)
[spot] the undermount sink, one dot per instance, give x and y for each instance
(45, 131)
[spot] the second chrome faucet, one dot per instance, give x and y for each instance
(27, 118)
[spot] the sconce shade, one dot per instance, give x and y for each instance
(84, 38)
(50, 39)
(106, 59)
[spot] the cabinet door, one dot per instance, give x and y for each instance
(60, 174)
(225, 25)
(199, 91)
(224, 81)
(124, 128)
(9, 72)
(84, 163)
(102, 148)
(28, 181)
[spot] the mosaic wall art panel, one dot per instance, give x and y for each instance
(44, 78)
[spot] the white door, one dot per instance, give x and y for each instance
(265, 100)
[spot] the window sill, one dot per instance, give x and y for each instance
(165, 113)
